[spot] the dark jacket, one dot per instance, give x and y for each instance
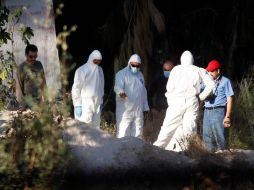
(156, 93)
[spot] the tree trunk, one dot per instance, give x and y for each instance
(233, 38)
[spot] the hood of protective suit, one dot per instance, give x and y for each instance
(94, 55)
(134, 58)
(187, 58)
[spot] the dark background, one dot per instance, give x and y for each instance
(205, 28)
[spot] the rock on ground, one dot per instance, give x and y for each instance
(99, 156)
(97, 152)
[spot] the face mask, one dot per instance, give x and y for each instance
(134, 70)
(166, 73)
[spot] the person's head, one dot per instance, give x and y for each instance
(31, 53)
(167, 67)
(213, 68)
(134, 63)
(187, 58)
(95, 57)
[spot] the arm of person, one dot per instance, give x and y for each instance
(229, 93)
(227, 118)
(172, 81)
(43, 87)
(119, 85)
(77, 87)
(145, 100)
(102, 82)
(208, 83)
(20, 87)
(145, 103)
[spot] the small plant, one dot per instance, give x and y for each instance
(196, 147)
(66, 58)
(108, 122)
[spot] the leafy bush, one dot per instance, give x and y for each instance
(35, 155)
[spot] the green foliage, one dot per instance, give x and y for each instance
(14, 16)
(4, 12)
(8, 20)
(62, 37)
(26, 33)
(3, 94)
(66, 58)
(6, 66)
(4, 35)
(35, 156)
(59, 9)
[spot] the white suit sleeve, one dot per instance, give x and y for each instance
(208, 82)
(102, 82)
(76, 88)
(119, 83)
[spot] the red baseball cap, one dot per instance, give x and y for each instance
(213, 65)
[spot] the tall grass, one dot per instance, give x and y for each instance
(241, 134)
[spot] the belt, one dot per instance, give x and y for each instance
(213, 108)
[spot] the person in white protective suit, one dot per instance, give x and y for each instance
(183, 96)
(131, 99)
(88, 90)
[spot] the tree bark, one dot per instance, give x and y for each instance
(233, 39)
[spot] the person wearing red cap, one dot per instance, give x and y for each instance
(218, 108)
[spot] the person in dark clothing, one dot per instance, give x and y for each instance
(158, 101)
(30, 80)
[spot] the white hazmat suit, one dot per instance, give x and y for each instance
(88, 90)
(129, 110)
(183, 91)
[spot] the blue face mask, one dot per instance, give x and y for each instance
(166, 73)
(134, 70)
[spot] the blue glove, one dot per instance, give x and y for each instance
(78, 110)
